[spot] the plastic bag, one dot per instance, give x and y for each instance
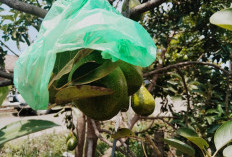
(76, 24)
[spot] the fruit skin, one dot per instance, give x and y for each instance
(72, 142)
(125, 103)
(143, 102)
(105, 107)
(69, 136)
(133, 75)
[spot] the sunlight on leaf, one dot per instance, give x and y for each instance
(192, 136)
(123, 133)
(3, 93)
(227, 152)
(22, 128)
(68, 67)
(222, 18)
(77, 92)
(180, 146)
(98, 73)
(223, 135)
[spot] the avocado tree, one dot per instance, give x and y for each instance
(192, 64)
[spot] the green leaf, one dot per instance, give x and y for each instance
(14, 34)
(3, 93)
(192, 136)
(227, 152)
(22, 128)
(181, 146)
(7, 17)
(77, 92)
(68, 67)
(62, 59)
(106, 68)
(223, 135)
(123, 133)
(1, 9)
(187, 132)
(222, 18)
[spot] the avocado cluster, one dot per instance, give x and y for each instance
(124, 80)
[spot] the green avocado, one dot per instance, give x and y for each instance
(105, 107)
(143, 103)
(133, 75)
(72, 142)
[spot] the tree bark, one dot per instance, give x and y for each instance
(6, 83)
(80, 129)
(25, 7)
(91, 140)
(37, 11)
(159, 136)
(139, 9)
(6, 75)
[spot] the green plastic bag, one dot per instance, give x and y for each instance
(73, 25)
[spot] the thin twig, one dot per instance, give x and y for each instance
(105, 131)
(38, 3)
(186, 93)
(117, 3)
(227, 96)
(122, 141)
(103, 139)
(153, 146)
(186, 64)
(9, 49)
(126, 146)
(144, 151)
(160, 117)
(168, 124)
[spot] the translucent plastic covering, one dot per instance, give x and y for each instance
(73, 25)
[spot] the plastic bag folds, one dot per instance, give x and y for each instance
(73, 25)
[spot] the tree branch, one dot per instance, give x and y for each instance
(186, 93)
(133, 121)
(227, 96)
(145, 7)
(6, 83)
(24, 7)
(9, 48)
(103, 139)
(80, 130)
(6, 75)
(155, 148)
(37, 11)
(186, 64)
(159, 117)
